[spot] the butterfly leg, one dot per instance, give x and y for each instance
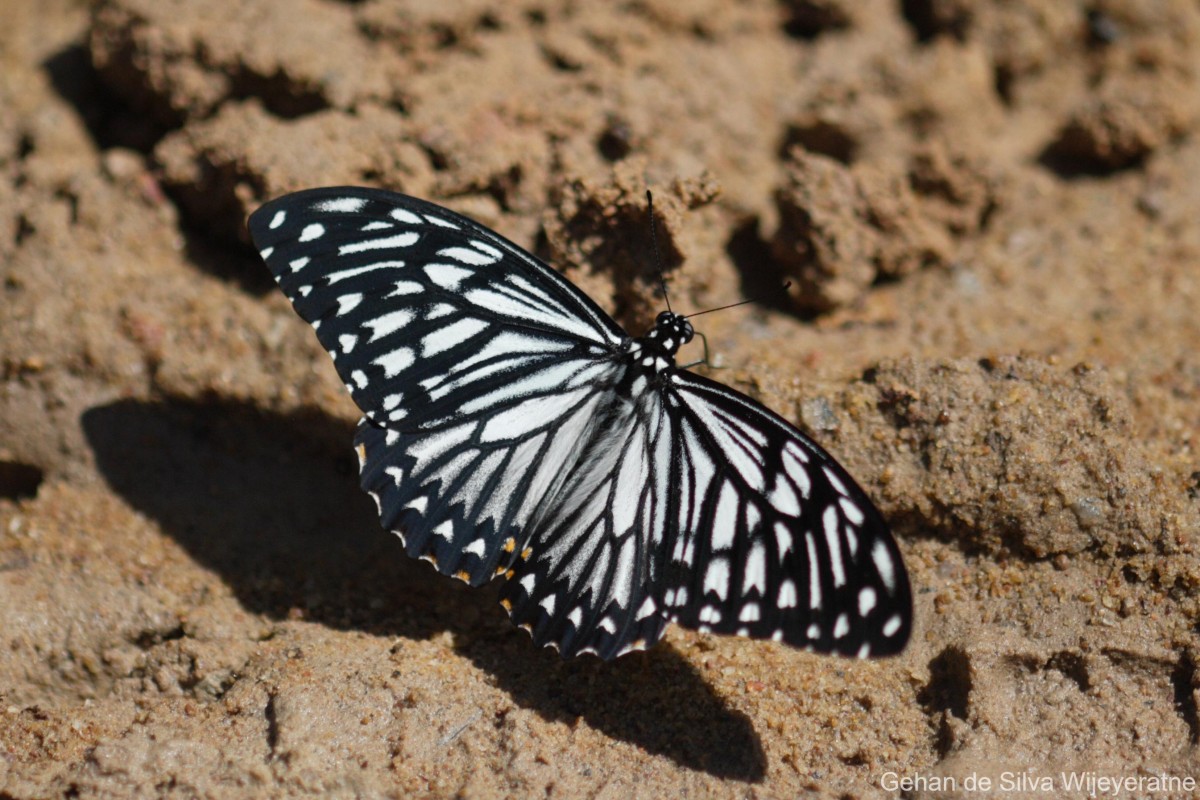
(704, 361)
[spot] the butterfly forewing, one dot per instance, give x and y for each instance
(413, 301)
(510, 427)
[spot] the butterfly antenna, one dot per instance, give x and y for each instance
(733, 305)
(654, 242)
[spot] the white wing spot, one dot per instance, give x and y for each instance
(724, 526)
(829, 522)
(377, 225)
(406, 287)
(467, 256)
(445, 530)
(360, 378)
(608, 624)
(440, 221)
(813, 632)
(749, 613)
(347, 341)
(313, 231)
(783, 497)
(455, 333)
(783, 539)
(837, 483)
(892, 625)
(265, 253)
(716, 579)
(347, 303)
(405, 239)
(528, 582)
(756, 570)
(305, 290)
(396, 473)
(343, 205)
(753, 516)
(440, 310)
(392, 400)
(866, 601)
(388, 323)
(648, 607)
(841, 627)
(299, 263)
(548, 603)
(814, 572)
(787, 594)
(277, 220)
(884, 565)
(575, 617)
(865, 650)
(851, 510)
(447, 276)
(395, 361)
(418, 504)
(343, 274)
(402, 215)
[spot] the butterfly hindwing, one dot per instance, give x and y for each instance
(774, 539)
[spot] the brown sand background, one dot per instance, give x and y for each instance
(991, 212)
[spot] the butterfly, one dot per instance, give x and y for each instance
(512, 428)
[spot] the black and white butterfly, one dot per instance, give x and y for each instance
(512, 428)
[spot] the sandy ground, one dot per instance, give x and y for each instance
(989, 212)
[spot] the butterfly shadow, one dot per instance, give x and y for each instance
(271, 503)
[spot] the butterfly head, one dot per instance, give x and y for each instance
(671, 331)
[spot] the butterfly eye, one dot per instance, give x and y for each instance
(664, 317)
(686, 332)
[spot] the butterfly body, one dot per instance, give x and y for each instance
(511, 428)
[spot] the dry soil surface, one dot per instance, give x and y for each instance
(989, 215)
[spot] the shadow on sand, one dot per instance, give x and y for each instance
(271, 503)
